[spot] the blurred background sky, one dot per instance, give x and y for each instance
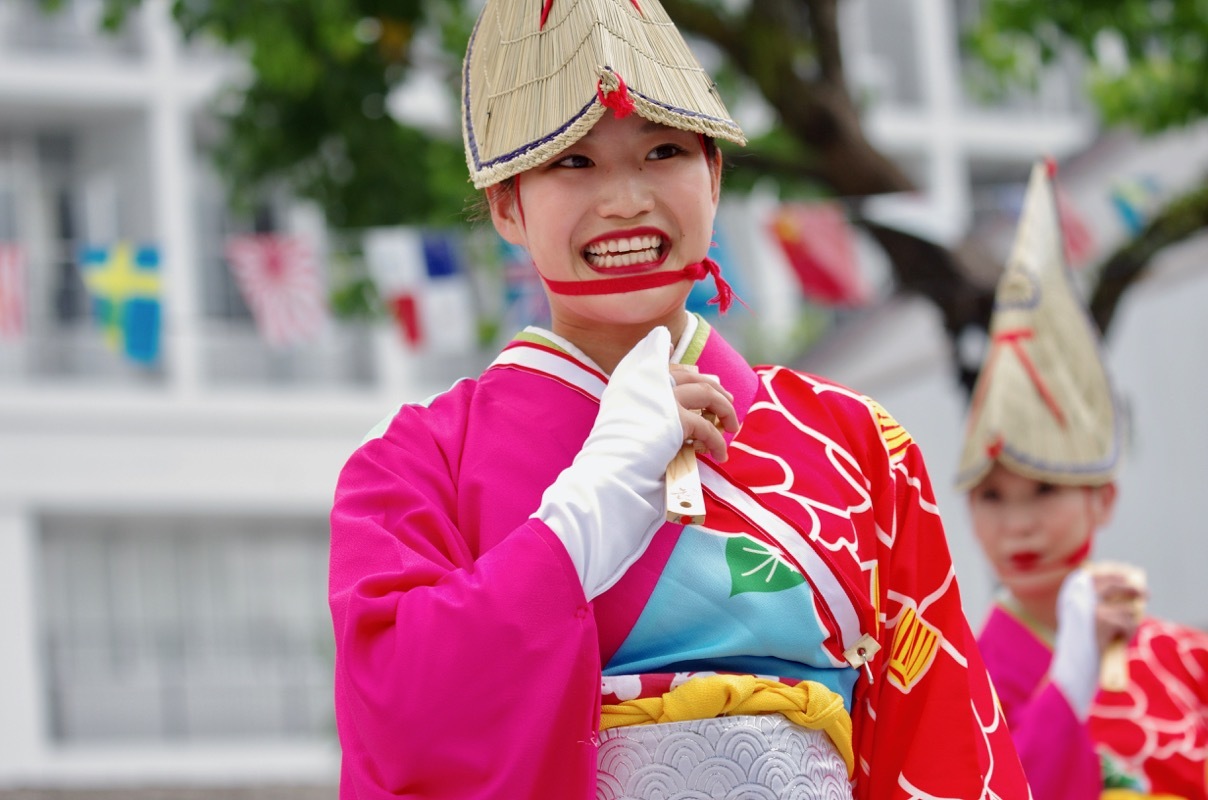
(233, 237)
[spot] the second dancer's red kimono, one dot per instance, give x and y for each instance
(1151, 738)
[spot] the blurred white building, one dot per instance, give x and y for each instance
(163, 529)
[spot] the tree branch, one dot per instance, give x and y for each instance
(825, 25)
(706, 22)
(1180, 219)
(935, 272)
(768, 45)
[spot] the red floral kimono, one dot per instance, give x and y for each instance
(1151, 739)
(469, 663)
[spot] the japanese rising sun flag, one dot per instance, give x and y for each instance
(124, 284)
(280, 282)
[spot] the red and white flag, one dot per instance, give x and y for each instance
(818, 245)
(395, 257)
(280, 282)
(12, 290)
(1079, 242)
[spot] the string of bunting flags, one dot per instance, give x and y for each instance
(422, 279)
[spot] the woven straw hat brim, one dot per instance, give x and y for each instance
(530, 90)
(1043, 405)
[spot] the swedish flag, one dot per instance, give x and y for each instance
(124, 283)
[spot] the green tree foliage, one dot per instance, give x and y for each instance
(1146, 57)
(314, 117)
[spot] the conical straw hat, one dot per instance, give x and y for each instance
(539, 73)
(1043, 405)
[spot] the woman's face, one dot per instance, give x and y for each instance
(629, 198)
(1036, 533)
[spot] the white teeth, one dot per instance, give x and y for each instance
(631, 250)
(622, 259)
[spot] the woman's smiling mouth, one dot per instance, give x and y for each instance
(625, 253)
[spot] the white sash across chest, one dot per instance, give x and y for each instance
(550, 356)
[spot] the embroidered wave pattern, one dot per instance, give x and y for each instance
(762, 757)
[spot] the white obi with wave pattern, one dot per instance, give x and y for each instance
(762, 757)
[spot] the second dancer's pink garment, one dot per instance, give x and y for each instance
(469, 662)
(1151, 738)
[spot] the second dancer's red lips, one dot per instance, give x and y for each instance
(1025, 561)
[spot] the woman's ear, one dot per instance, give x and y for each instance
(505, 212)
(715, 175)
(1103, 503)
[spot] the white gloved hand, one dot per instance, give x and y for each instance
(606, 506)
(1075, 667)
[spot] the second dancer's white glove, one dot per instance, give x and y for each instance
(1075, 667)
(607, 505)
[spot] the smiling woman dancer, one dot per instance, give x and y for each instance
(515, 616)
(1099, 699)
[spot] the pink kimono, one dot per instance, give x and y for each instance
(469, 663)
(1151, 738)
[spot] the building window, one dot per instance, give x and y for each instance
(186, 628)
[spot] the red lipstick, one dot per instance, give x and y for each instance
(1025, 561)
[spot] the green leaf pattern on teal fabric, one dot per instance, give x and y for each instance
(755, 567)
(1117, 776)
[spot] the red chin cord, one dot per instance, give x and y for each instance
(1084, 550)
(635, 283)
(1082, 553)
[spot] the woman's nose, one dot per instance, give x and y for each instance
(1018, 519)
(626, 193)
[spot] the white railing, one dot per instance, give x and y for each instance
(73, 30)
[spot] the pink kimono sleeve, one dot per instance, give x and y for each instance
(462, 670)
(1056, 749)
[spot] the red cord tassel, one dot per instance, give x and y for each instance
(617, 99)
(725, 293)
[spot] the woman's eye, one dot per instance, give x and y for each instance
(573, 162)
(665, 151)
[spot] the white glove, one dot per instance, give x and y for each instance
(1075, 667)
(606, 506)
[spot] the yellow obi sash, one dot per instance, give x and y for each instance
(808, 704)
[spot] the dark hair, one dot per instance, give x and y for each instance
(478, 208)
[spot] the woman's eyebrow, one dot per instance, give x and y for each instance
(650, 126)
